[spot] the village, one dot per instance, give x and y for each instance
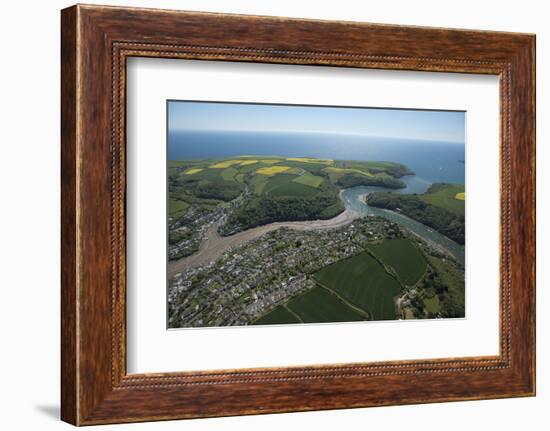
(248, 281)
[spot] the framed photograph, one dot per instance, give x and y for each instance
(264, 215)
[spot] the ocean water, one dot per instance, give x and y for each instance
(431, 161)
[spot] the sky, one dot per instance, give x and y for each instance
(442, 126)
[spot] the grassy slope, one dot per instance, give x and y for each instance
(432, 304)
(453, 280)
(177, 208)
(444, 196)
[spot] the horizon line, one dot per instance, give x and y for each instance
(318, 132)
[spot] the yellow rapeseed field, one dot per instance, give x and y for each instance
(272, 170)
(310, 160)
(225, 164)
(193, 171)
(270, 161)
(248, 162)
(334, 170)
(461, 196)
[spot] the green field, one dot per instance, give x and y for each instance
(284, 185)
(292, 189)
(343, 171)
(401, 254)
(229, 174)
(318, 305)
(177, 208)
(309, 180)
(445, 196)
(278, 316)
(364, 282)
(258, 182)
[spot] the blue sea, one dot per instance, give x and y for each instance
(431, 161)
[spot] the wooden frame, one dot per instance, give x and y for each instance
(96, 41)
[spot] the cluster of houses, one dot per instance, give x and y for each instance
(192, 227)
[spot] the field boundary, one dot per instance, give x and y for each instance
(345, 301)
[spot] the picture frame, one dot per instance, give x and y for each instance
(96, 42)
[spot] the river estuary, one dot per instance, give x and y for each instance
(354, 199)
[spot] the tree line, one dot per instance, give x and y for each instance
(443, 221)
